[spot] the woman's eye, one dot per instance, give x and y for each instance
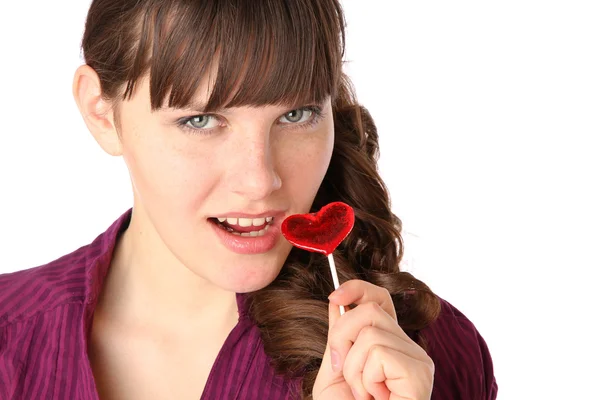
(297, 116)
(202, 122)
(207, 124)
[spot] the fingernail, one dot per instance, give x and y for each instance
(355, 393)
(335, 361)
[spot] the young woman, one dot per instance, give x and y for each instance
(231, 116)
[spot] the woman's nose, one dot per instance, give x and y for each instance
(252, 170)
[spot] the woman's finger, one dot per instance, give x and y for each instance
(357, 291)
(404, 378)
(356, 358)
(344, 332)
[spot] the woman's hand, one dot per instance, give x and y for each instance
(368, 355)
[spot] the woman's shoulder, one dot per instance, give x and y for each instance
(26, 293)
(451, 332)
(450, 318)
(41, 312)
(74, 278)
(463, 363)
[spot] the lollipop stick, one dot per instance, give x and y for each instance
(336, 281)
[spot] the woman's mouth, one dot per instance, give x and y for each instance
(248, 235)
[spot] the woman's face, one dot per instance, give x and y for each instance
(249, 165)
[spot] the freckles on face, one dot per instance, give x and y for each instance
(167, 169)
(182, 179)
(305, 160)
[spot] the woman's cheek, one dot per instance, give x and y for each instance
(323, 150)
(306, 166)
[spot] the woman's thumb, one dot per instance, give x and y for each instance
(331, 356)
(328, 374)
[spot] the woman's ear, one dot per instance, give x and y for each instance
(97, 113)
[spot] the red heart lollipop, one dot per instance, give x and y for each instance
(320, 232)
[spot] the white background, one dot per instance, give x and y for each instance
(489, 122)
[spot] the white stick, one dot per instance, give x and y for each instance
(336, 281)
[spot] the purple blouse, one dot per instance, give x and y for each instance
(45, 320)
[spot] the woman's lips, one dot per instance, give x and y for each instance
(239, 244)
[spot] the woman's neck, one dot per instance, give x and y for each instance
(145, 288)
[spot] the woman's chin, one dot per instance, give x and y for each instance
(249, 279)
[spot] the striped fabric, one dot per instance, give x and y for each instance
(45, 320)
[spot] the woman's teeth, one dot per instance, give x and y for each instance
(232, 223)
(253, 233)
(245, 222)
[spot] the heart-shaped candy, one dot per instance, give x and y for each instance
(320, 232)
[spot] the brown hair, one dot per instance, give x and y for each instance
(271, 52)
